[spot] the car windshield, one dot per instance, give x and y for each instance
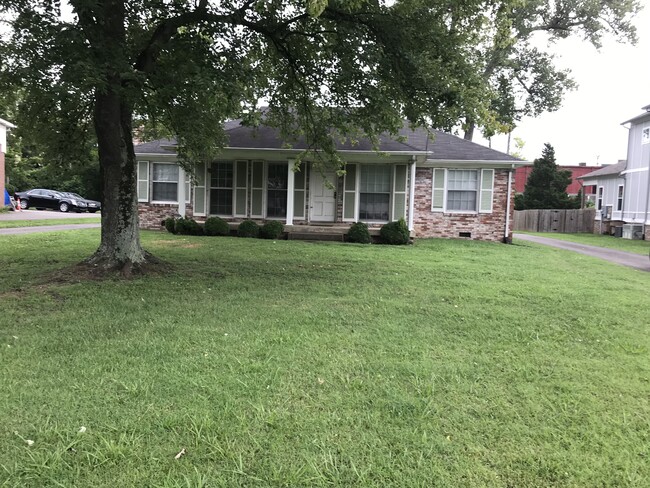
(73, 195)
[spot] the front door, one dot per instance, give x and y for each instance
(322, 197)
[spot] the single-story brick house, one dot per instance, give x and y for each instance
(442, 185)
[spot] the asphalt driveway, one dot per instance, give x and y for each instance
(637, 261)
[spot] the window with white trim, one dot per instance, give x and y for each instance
(277, 183)
(600, 198)
(221, 184)
(374, 192)
(619, 199)
(645, 135)
(462, 190)
(164, 182)
(188, 187)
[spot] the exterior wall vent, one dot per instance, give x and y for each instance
(464, 234)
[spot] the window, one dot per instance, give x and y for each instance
(600, 198)
(462, 190)
(619, 199)
(277, 180)
(221, 181)
(164, 182)
(374, 192)
(645, 135)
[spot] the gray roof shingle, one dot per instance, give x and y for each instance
(610, 169)
(441, 146)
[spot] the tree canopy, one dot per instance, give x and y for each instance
(522, 75)
(325, 70)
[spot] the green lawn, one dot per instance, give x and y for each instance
(446, 363)
(629, 245)
(9, 224)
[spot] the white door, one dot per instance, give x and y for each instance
(322, 198)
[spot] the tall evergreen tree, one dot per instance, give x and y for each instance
(547, 183)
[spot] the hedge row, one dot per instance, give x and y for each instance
(214, 226)
(395, 233)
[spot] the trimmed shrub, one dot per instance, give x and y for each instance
(248, 228)
(395, 233)
(359, 233)
(170, 224)
(272, 229)
(188, 227)
(214, 226)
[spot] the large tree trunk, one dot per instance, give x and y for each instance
(120, 245)
(469, 131)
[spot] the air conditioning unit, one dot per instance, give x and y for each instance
(632, 231)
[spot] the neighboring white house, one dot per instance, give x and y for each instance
(623, 189)
(4, 125)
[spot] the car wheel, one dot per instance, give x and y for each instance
(64, 207)
(24, 204)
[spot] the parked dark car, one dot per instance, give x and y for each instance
(65, 202)
(92, 206)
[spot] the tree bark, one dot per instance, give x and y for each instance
(469, 131)
(120, 243)
(120, 247)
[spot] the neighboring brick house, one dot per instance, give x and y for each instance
(443, 185)
(4, 126)
(623, 189)
(523, 172)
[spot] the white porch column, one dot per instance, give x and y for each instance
(412, 196)
(290, 186)
(181, 192)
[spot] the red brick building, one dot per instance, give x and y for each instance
(523, 172)
(4, 126)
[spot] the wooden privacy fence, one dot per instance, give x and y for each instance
(563, 221)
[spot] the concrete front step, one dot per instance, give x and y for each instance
(315, 236)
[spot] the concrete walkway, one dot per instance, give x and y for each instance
(46, 228)
(637, 261)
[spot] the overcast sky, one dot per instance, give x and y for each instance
(614, 83)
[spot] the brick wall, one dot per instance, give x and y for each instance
(487, 227)
(151, 215)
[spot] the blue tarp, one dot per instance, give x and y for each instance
(7, 200)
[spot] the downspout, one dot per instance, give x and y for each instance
(647, 202)
(506, 235)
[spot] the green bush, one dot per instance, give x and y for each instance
(272, 229)
(188, 227)
(395, 233)
(214, 226)
(248, 228)
(170, 224)
(359, 233)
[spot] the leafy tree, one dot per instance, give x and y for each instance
(547, 184)
(33, 161)
(524, 78)
(328, 69)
